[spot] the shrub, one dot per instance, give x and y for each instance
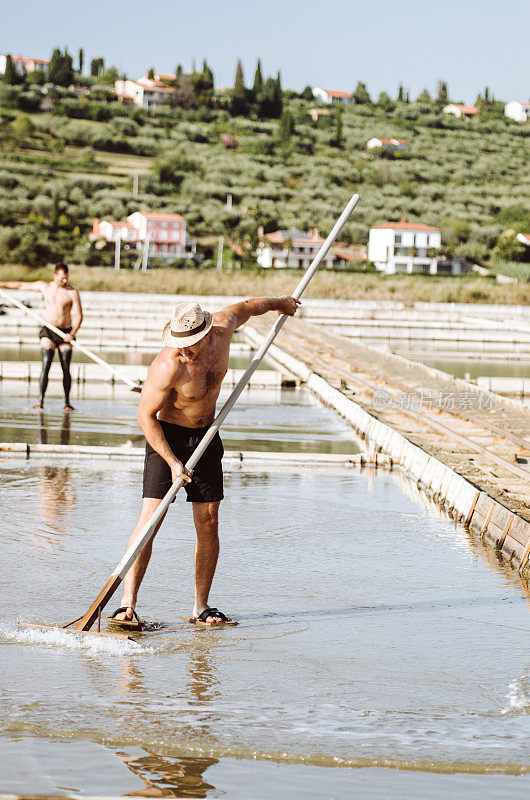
(27, 244)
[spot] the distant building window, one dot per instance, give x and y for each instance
(398, 238)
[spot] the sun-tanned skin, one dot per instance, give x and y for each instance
(61, 302)
(182, 387)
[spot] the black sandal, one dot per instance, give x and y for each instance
(210, 612)
(136, 623)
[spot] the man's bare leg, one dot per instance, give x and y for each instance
(136, 573)
(206, 519)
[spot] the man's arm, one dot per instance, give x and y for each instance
(156, 390)
(77, 312)
(240, 313)
(37, 286)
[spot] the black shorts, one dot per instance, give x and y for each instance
(206, 485)
(46, 333)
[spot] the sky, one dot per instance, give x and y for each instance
(469, 43)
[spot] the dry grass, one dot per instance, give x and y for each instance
(330, 285)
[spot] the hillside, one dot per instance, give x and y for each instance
(58, 172)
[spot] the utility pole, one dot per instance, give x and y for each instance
(146, 252)
(117, 249)
(220, 253)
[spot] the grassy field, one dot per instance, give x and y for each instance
(332, 285)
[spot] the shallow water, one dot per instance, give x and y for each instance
(123, 356)
(287, 420)
(494, 368)
(373, 632)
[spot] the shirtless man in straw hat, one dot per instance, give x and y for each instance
(177, 406)
(60, 301)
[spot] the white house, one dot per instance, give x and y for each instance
(329, 96)
(292, 248)
(165, 233)
(408, 247)
(388, 145)
(459, 110)
(112, 230)
(524, 238)
(23, 65)
(144, 92)
(520, 112)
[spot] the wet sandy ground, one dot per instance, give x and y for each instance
(373, 633)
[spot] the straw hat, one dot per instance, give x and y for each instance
(188, 325)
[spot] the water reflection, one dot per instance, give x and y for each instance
(56, 494)
(168, 777)
(181, 776)
(64, 433)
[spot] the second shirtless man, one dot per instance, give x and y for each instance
(60, 301)
(177, 406)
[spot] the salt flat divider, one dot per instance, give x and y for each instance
(149, 528)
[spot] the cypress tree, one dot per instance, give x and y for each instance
(238, 101)
(81, 60)
(360, 93)
(258, 81)
(338, 126)
(97, 66)
(442, 97)
(151, 73)
(401, 94)
(10, 75)
(278, 97)
(54, 71)
(285, 128)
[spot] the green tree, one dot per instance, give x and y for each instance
(61, 70)
(97, 66)
(338, 138)
(258, 81)
(385, 102)
(360, 94)
(307, 94)
(81, 60)
(285, 128)
(278, 97)
(151, 73)
(509, 248)
(401, 94)
(268, 107)
(238, 99)
(22, 127)
(202, 84)
(10, 75)
(424, 97)
(178, 72)
(442, 94)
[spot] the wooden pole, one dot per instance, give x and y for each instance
(130, 383)
(148, 530)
